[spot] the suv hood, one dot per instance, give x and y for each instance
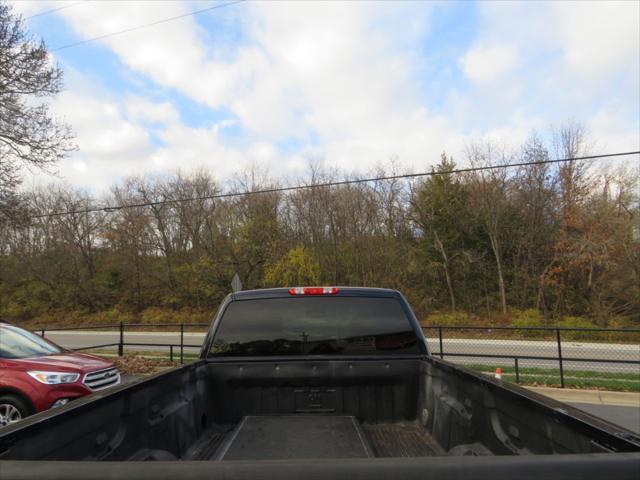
(66, 362)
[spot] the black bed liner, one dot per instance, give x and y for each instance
(208, 443)
(279, 437)
(402, 439)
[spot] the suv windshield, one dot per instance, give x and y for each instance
(314, 326)
(18, 343)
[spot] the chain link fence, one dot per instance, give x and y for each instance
(558, 357)
(180, 342)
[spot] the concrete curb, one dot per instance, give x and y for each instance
(596, 397)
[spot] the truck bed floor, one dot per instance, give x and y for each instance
(205, 447)
(325, 436)
(401, 440)
(278, 437)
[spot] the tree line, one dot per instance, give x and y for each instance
(536, 244)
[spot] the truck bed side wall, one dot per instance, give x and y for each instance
(462, 408)
(162, 413)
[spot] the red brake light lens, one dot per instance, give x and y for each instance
(313, 290)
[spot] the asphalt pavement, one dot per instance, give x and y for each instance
(627, 417)
(79, 338)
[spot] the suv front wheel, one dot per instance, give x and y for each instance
(12, 409)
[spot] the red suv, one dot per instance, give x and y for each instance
(36, 374)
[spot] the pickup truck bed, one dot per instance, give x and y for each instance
(391, 407)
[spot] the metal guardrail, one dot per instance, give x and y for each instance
(529, 352)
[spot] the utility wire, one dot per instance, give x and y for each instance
(109, 209)
(46, 12)
(146, 25)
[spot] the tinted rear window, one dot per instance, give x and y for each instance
(314, 326)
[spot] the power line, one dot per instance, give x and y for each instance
(139, 27)
(109, 209)
(46, 12)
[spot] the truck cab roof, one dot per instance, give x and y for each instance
(342, 292)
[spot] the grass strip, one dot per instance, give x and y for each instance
(585, 379)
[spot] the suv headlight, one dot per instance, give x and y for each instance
(54, 378)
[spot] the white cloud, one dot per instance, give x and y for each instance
(573, 60)
(146, 110)
(110, 146)
(486, 64)
(599, 37)
(334, 74)
(611, 130)
(187, 148)
(308, 69)
(174, 55)
(100, 127)
(28, 8)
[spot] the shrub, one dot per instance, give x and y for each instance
(26, 301)
(446, 319)
(528, 318)
(108, 317)
(185, 315)
(578, 322)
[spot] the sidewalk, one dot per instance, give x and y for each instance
(596, 397)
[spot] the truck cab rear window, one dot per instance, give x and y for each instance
(314, 326)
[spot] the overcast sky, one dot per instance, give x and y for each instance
(351, 84)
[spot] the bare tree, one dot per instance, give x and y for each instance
(29, 135)
(489, 190)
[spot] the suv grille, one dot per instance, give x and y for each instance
(102, 379)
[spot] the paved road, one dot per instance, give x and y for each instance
(78, 339)
(570, 349)
(627, 417)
